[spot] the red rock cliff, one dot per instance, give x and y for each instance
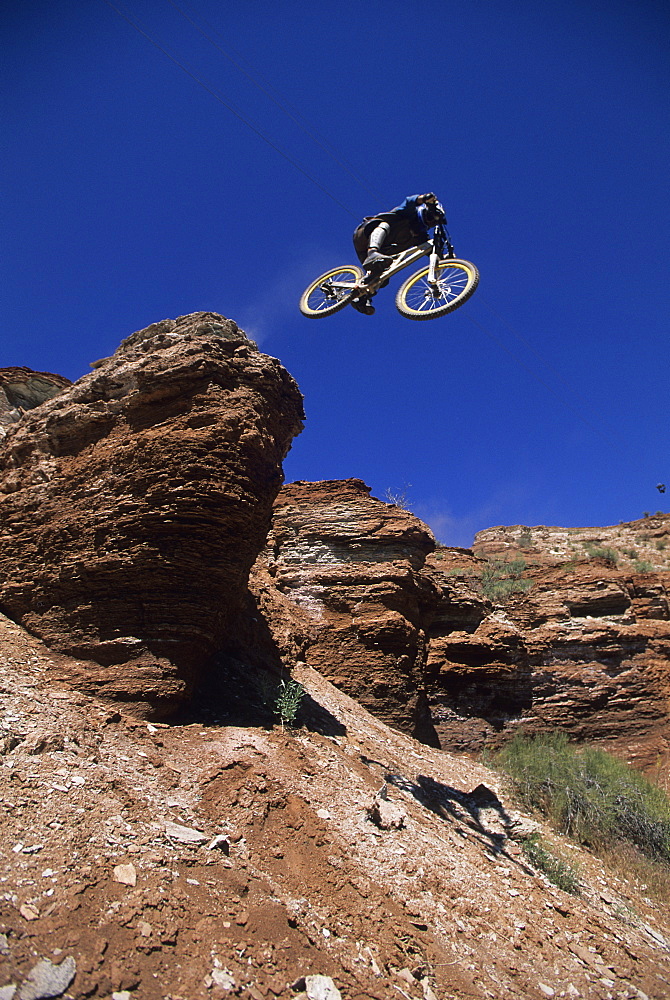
(340, 585)
(582, 645)
(133, 504)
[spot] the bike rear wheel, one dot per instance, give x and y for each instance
(456, 281)
(331, 292)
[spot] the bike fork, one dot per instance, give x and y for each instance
(432, 269)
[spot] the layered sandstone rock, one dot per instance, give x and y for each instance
(630, 545)
(22, 389)
(348, 584)
(584, 649)
(133, 504)
(340, 586)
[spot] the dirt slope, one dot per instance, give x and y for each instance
(440, 903)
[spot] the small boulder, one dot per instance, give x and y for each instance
(317, 988)
(184, 834)
(384, 814)
(125, 874)
(48, 980)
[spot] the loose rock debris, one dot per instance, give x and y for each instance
(386, 815)
(303, 892)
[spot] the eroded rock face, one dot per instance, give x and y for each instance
(349, 585)
(584, 649)
(340, 586)
(133, 505)
(22, 389)
(629, 545)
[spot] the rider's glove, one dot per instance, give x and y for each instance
(428, 199)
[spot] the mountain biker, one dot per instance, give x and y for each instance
(381, 236)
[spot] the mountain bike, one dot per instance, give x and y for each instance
(444, 285)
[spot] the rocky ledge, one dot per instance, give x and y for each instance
(580, 641)
(22, 389)
(583, 649)
(144, 530)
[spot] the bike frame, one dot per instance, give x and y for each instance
(433, 248)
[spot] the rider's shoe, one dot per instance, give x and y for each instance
(363, 305)
(376, 262)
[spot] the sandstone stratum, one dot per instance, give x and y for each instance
(162, 838)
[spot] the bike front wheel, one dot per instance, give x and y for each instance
(455, 282)
(331, 292)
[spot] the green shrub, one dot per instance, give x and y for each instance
(642, 566)
(557, 871)
(501, 578)
(588, 793)
(289, 696)
(609, 555)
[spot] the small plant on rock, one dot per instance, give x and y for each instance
(398, 498)
(287, 704)
(609, 555)
(501, 578)
(557, 871)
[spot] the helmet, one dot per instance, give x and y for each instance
(431, 213)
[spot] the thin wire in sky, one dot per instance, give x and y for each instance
(298, 119)
(233, 110)
(602, 433)
(280, 102)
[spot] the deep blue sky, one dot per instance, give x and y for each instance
(132, 194)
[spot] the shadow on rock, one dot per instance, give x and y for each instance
(481, 810)
(318, 719)
(237, 693)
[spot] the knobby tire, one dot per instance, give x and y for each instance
(322, 299)
(456, 282)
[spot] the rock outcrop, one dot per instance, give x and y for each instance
(340, 586)
(583, 646)
(135, 507)
(632, 545)
(350, 586)
(22, 389)
(133, 504)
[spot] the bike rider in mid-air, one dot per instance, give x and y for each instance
(381, 236)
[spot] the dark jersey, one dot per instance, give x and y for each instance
(405, 228)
